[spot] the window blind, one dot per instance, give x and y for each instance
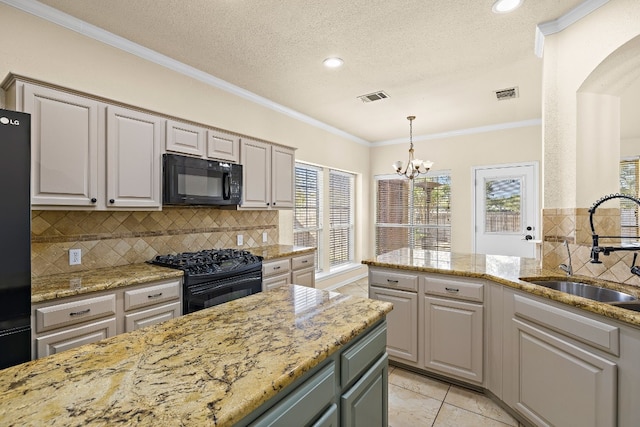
(629, 209)
(341, 217)
(307, 217)
(413, 213)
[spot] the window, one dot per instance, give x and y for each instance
(629, 209)
(341, 218)
(413, 213)
(307, 218)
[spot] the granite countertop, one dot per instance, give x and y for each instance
(47, 288)
(508, 271)
(211, 367)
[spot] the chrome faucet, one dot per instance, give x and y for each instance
(564, 267)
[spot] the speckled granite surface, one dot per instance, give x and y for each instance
(279, 251)
(48, 288)
(508, 271)
(212, 367)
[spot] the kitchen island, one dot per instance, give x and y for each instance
(212, 367)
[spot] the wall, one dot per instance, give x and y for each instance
(574, 178)
(459, 154)
(38, 49)
(110, 239)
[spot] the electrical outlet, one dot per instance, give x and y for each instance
(264, 237)
(75, 256)
(240, 240)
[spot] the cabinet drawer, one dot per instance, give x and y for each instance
(150, 295)
(408, 282)
(461, 289)
(151, 316)
(75, 336)
(358, 358)
(302, 261)
(70, 313)
(597, 334)
(305, 403)
(275, 267)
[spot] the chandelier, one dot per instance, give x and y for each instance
(415, 167)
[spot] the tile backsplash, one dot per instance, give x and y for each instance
(573, 226)
(115, 238)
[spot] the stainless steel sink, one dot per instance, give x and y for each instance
(635, 306)
(585, 290)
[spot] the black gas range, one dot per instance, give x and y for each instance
(214, 276)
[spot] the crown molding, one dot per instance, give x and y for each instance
(574, 15)
(67, 21)
(461, 132)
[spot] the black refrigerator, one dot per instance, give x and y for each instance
(15, 238)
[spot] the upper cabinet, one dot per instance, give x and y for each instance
(65, 144)
(133, 159)
(89, 154)
(193, 140)
(268, 173)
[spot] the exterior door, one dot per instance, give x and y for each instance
(506, 210)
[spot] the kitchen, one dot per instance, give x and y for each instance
(73, 61)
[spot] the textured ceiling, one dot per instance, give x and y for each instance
(439, 60)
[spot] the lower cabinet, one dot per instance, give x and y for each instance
(402, 322)
(453, 339)
(297, 270)
(350, 389)
(71, 322)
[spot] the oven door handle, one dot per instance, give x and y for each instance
(226, 186)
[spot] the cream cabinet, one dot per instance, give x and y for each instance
(268, 175)
(297, 270)
(402, 322)
(70, 322)
(562, 366)
(89, 154)
(453, 327)
(198, 141)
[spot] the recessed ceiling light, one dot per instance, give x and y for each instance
(333, 62)
(505, 6)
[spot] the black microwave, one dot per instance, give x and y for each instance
(191, 181)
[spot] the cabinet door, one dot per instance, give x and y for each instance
(559, 384)
(305, 277)
(402, 322)
(64, 135)
(453, 339)
(151, 316)
(272, 282)
(282, 177)
(185, 138)
(133, 158)
(256, 174)
(223, 146)
(366, 403)
(76, 336)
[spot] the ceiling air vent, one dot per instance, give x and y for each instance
(375, 96)
(510, 93)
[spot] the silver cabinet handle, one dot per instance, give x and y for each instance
(393, 281)
(305, 261)
(276, 268)
(155, 295)
(452, 290)
(78, 313)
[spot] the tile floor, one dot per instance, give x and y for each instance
(417, 400)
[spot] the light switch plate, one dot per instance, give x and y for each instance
(240, 240)
(265, 237)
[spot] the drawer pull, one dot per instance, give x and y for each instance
(452, 289)
(276, 267)
(78, 313)
(159, 294)
(393, 281)
(305, 261)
